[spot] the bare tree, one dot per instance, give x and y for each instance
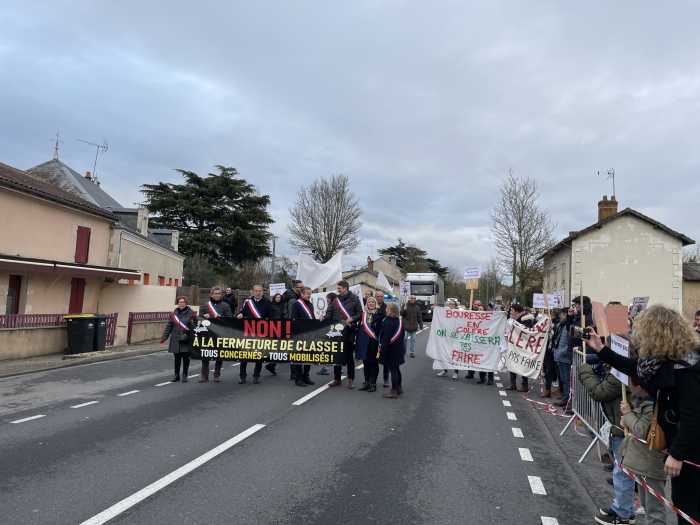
(522, 231)
(326, 218)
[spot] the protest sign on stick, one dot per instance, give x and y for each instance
(620, 346)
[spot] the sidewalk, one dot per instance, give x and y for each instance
(13, 367)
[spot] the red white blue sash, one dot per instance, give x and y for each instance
(395, 337)
(367, 328)
(308, 313)
(253, 309)
(177, 321)
(342, 308)
(212, 310)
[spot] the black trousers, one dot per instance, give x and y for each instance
(482, 376)
(385, 373)
(348, 357)
(300, 371)
(685, 491)
(217, 366)
(256, 370)
(513, 380)
(395, 371)
(371, 370)
(184, 360)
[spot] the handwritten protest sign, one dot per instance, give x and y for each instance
(526, 347)
(472, 272)
(277, 288)
(466, 340)
(554, 300)
(620, 346)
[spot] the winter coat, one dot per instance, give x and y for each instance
(562, 348)
(368, 337)
(276, 310)
(686, 442)
(231, 300)
(412, 317)
(180, 340)
(607, 391)
(351, 304)
(298, 311)
(289, 297)
(636, 455)
(263, 307)
(222, 308)
(391, 341)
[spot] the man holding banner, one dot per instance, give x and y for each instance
(345, 310)
(302, 308)
(215, 308)
(257, 306)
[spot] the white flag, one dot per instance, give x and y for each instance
(315, 274)
(383, 283)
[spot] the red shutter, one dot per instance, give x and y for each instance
(177, 283)
(77, 294)
(13, 294)
(146, 278)
(82, 245)
(161, 280)
(170, 281)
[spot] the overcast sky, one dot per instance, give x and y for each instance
(424, 105)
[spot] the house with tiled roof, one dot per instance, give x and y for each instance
(624, 254)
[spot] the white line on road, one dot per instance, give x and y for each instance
(359, 367)
(193, 375)
(536, 485)
(525, 454)
(86, 404)
(163, 384)
(137, 497)
(128, 393)
(30, 418)
(502, 393)
(517, 433)
(314, 393)
(235, 364)
(499, 385)
(511, 416)
(546, 520)
(506, 403)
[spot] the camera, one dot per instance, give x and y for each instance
(583, 333)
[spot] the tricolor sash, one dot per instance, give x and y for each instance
(177, 321)
(367, 328)
(342, 308)
(308, 313)
(253, 309)
(395, 337)
(212, 310)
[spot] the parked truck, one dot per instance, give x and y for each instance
(429, 291)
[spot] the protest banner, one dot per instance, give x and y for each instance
(554, 300)
(405, 288)
(466, 340)
(277, 288)
(620, 346)
(638, 305)
(321, 304)
(285, 341)
(526, 347)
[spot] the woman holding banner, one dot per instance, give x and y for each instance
(392, 348)
(302, 308)
(368, 344)
(179, 329)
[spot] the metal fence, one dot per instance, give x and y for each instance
(31, 320)
(585, 409)
(144, 317)
(111, 327)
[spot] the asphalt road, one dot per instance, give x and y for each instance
(117, 442)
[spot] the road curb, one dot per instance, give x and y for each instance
(77, 361)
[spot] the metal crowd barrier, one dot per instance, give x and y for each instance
(587, 410)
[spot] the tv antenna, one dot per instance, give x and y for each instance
(610, 175)
(99, 148)
(56, 143)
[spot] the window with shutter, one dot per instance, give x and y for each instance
(146, 278)
(77, 294)
(82, 245)
(13, 294)
(161, 280)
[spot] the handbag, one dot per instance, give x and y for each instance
(656, 437)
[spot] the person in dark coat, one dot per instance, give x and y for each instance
(257, 306)
(214, 309)
(368, 344)
(179, 329)
(276, 312)
(290, 297)
(525, 318)
(412, 317)
(381, 314)
(392, 348)
(345, 310)
(302, 308)
(230, 298)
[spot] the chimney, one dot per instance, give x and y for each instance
(370, 264)
(174, 239)
(142, 221)
(88, 175)
(606, 208)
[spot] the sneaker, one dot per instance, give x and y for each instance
(608, 517)
(442, 373)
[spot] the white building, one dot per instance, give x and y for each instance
(624, 255)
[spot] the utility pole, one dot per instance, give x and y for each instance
(274, 257)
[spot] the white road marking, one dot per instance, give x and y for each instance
(30, 418)
(193, 375)
(235, 364)
(499, 385)
(536, 485)
(517, 433)
(511, 416)
(314, 393)
(502, 393)
(506, 403)
(546, 520)
(359, 367)
(128, 393)
(163, 384)
(86, 404)
(146, 492)
(525, 454)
